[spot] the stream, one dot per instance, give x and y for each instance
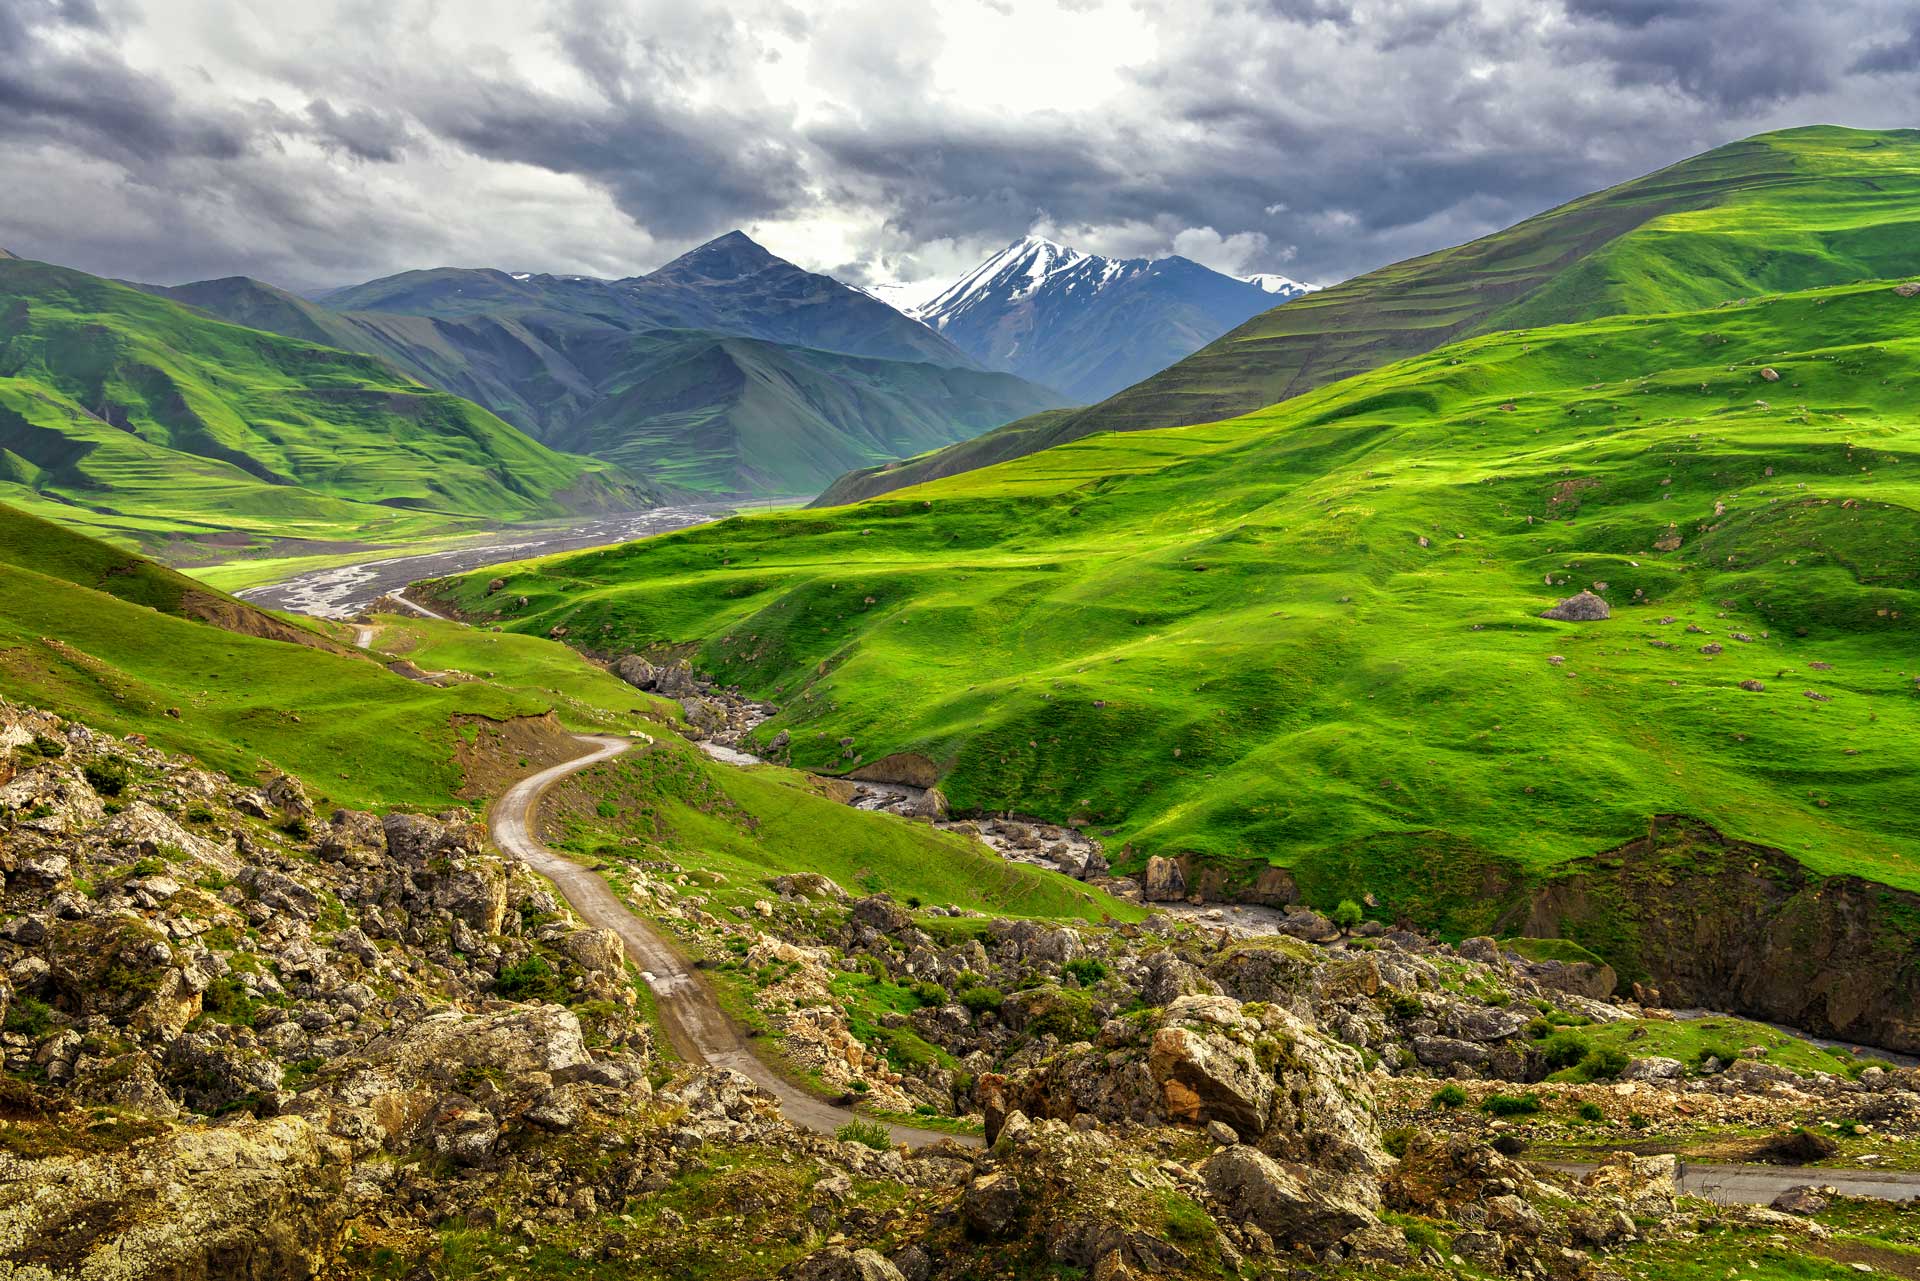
(345, 590)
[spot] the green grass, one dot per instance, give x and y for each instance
(145, 422)
(738, 829)
(1691, 1041)
(1228, 640)
(1783, 211)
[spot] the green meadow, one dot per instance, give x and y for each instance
(1311, 636)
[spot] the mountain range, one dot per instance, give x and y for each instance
(1090, 325)
(727, 371)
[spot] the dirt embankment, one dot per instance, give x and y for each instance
(493, 755)
(1730, 925)
(234, 616)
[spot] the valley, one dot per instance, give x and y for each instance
(1417, 779)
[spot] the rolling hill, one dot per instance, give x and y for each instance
(1789, 210)
(1310, 638)
(713, 413)
(150, 423)
(726, 371)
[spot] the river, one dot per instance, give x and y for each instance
(344, 590)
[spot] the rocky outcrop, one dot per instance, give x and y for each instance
(1711, 921)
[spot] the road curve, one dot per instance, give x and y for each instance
(1760, 1184)
(699, 1029)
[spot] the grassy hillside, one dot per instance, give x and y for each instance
(91, 632)
(1310, 636)
(133, 417)
(1782, 211)
(728, 415)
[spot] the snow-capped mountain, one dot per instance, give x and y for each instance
(1286, 287)
(1088, 325)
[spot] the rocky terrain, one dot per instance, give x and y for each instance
(246, 1039)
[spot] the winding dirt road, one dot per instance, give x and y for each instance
(1760, 1184)
(699, 1029)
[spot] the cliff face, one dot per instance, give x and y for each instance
(1736, 926)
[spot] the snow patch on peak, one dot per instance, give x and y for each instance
(1279, 284)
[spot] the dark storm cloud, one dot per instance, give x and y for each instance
(61, 82)
(361, 132)
(1316, 137)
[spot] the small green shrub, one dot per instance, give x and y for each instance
(47, 746)
(1564, 1049)
(1405, 1005)
(981, 999)
(107, 776)
(1639, 1121)
(526, 979)
(1086, 971)
(1591, 1112)
(1395, 1141)
(28, 1017)
(1348, 914)
(1420, 1236)
(868, 1134)
(1511, 1104)
(1449, 1096)
(1602, 1064)
(929, 995)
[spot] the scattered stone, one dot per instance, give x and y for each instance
(1584, 607)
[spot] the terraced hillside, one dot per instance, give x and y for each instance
(1791, 210)
(146, 422)
(1310, 637)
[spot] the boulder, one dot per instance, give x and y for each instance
(991, 1204)
(1654, 1068)
(637, 672)
(1163, 882)
(1290, 1203)
(1803, 1200)
(1584, 607)
(1648, 1184)
(837, 1263)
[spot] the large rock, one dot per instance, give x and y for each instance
(837, 1263)
(991, 1204)
(1582, 608)
(1291, 1203)
(1162, 882)
(1206, 1077)
(1648, 1184)
(252, 1199)
(636, 671)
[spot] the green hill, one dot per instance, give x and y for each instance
(1311, 636)
(719, 414)
(144, 421)
(1782, 211)
(94, 633)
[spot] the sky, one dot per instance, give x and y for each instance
(331, 141)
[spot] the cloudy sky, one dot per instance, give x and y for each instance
(328, 141)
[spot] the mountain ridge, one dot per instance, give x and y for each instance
(553, 355)
(1622, 249)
